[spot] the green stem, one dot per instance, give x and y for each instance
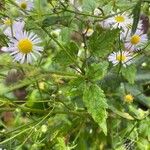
(94, 16)
(39, 111)
(7, 140)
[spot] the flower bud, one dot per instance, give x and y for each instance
(44, 128)
(128, 98)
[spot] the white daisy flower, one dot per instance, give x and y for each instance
(136, 41)
(25, 4)
(124, 57)
(121, 21)
(24, 47)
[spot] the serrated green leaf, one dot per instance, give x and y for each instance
(97, 71)
(129, 73)
(75, 88)
(63, 58)
(95, 101)
(101, 43)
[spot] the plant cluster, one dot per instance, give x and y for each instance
(74, 75)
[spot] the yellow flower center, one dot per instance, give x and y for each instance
(7, 22)
(119, 19)
(135, 39)
(128, 98)
(23, 5)
(25, 46)
(121, 57)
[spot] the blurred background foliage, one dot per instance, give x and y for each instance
(71, 98)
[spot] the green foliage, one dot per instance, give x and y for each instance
(67, 57)
(61, 144)
(89, 5)
(96, 104)
(101, 43)
(73, 96)
(139, 95)
(122, 114)
(129, 73)
(53, 20)
(70, 55)
(136, 15)
(97, 71)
